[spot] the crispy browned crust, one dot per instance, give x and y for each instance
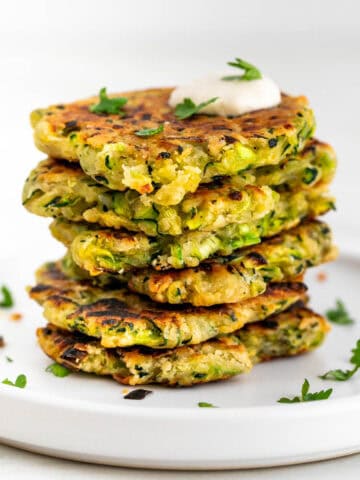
(295, 331)
(183, 366)
(71, 348)
(279, 258)
(121, 318)
(175, 161)
(148, 108)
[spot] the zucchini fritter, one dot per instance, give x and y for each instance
(56, 189)
(290, 333)
(60, 189)
(295, 331)
(117, 251)
(120, 318)
(243, 274)
(183, 366)
(175, 161)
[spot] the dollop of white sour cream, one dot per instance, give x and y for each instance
(235, 97)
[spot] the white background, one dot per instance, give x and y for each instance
(59, 51)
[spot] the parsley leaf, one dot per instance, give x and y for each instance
(343, 375)
(306, 396)
(339, 375)
(250, 71)
(9, 359)
(187, 108)
(20, 381)
(148, 132)
(355, 358)
(58, 370)
(206, 405)
(108, 105)
(339, 314)
(7, 301)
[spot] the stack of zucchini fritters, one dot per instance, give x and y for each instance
(186, 244)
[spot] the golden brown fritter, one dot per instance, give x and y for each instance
(243, 274)
(290, 333)
(100, 250)
(120, 318)
(186, 153)
(60, 189)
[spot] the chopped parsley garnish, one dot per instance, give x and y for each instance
(9, 359)
(149, 132)
(206, 405)
(339, 314)
(20, 382)
(343, 375)
(188, 108)
(58, 370)
(108, 105)
(7, 301)
(306, 396)
(250, 71)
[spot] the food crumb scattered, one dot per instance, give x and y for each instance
(138, 394)
(125, 391)
(321, 277)
(2, 341)
(16, 316)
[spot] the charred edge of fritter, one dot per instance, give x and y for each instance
(68, 347)
(74, 349)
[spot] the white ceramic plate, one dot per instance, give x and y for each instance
(86, 418)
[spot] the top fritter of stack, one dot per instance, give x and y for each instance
(165, 166)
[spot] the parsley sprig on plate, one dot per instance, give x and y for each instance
(108, 105)
(20, 381)
(188, 108)
(306, 396)
(58, 370)
(339, 314)
(343, 375)
(7, 298)
(250, 71)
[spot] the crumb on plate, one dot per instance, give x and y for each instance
(321, 277)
